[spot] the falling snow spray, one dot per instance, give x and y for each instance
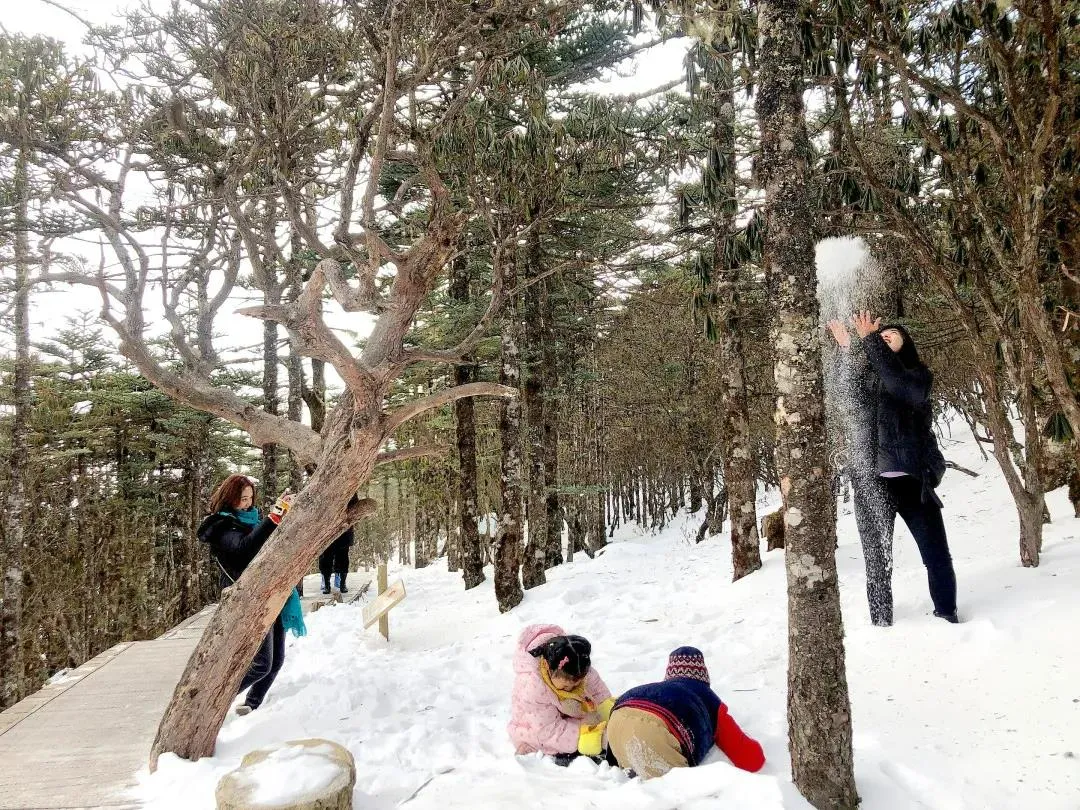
(849, 279)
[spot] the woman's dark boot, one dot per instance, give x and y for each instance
(326, 583)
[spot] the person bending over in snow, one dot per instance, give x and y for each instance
(673, 723)
(559, 705)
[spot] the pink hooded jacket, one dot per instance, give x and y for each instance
(538, 721)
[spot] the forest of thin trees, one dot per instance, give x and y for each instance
(503, 310)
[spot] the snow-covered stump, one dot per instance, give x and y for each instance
(296, 775)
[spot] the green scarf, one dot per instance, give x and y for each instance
(292, 615)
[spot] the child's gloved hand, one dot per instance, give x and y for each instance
(280, 507)
(604, 709)
(591, 740)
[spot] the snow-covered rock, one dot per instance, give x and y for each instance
(296, 775)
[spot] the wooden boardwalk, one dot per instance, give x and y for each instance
(77, 744)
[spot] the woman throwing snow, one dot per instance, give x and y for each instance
(893, 385)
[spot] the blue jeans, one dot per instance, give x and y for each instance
(264, 666)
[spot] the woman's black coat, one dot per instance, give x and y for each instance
(234, 543)
(905, 438)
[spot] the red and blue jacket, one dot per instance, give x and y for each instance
(697, 718)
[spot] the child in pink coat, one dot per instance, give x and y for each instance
(559, 704)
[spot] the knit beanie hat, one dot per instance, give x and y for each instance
(570, 654)
(908, 354)
(687, 662)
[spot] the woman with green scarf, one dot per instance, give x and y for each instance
(235, 533)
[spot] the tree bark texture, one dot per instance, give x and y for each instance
(315, 396)
(553, 516)
(294, 282)
(819, 712)
(534, 562)
(12, 665)
(594, 456)
(472, 556)
(271, 402)
(508, 536)
(740, 469)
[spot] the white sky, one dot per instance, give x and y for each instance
(50, 307)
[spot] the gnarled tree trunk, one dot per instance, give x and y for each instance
(320, 513)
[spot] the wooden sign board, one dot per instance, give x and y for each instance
(381, 605)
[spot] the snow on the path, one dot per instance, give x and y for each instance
(981, 715)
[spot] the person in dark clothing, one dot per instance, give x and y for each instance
(335, 560)
(901, 464)
(235, 533)
(675, 722)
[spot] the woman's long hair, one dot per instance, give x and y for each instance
(227, 496)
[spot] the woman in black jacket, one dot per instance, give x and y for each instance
(895, 387)
(235, 534)
(335, 560)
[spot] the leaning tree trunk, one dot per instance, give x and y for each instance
(508, 536)
(248, 608)
(738, 456)
(12, 666)
(819, 711)
(1028, 498)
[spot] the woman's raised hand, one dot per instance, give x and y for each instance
(281, 506)
(839, 332)
(864, 323)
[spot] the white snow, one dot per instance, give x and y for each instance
(62, 677)
(838, 262)
(984, 715)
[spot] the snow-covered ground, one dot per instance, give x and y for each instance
(981, 715)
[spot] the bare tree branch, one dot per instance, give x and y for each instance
(403, 414)
(408, 453)
(365, 298)
(385, 134)
(304, 323)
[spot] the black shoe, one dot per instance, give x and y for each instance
(326, 585)
(951, 618)
(341, 584)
